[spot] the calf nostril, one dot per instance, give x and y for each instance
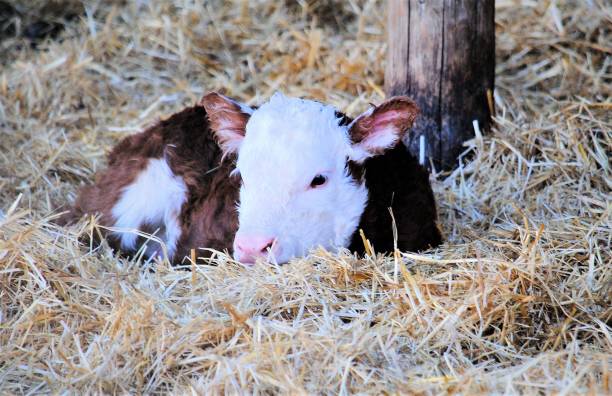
(268, 246)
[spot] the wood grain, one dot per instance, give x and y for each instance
(441, 53)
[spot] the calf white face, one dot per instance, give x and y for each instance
(292, 154)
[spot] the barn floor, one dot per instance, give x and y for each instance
(517, 300)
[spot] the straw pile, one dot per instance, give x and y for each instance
(518, 299)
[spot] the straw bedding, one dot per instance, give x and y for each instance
(518, 298)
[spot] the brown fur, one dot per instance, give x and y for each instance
(394, 180)
(208, 218)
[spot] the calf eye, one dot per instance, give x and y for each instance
(317, 181)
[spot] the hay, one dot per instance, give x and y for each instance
(517, 300)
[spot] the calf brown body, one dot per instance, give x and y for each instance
(208, 217)
(397, 182)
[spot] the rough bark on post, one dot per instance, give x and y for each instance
(442, 54)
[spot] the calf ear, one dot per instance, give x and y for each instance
(381, 127)
(228, 120)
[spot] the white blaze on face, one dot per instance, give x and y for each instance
(296, 191)
(288, 143)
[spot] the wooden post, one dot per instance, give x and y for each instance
(442, 54)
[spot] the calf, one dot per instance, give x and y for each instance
(310, 176)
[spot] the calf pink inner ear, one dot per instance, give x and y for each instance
(228, 120)
(381, 127)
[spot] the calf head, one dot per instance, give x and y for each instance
(295, 157)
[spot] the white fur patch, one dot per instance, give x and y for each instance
(382, 139)
(230, 140)
(155, 199)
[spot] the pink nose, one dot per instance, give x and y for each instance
(247, 248)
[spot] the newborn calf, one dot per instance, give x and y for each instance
(310, 176)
